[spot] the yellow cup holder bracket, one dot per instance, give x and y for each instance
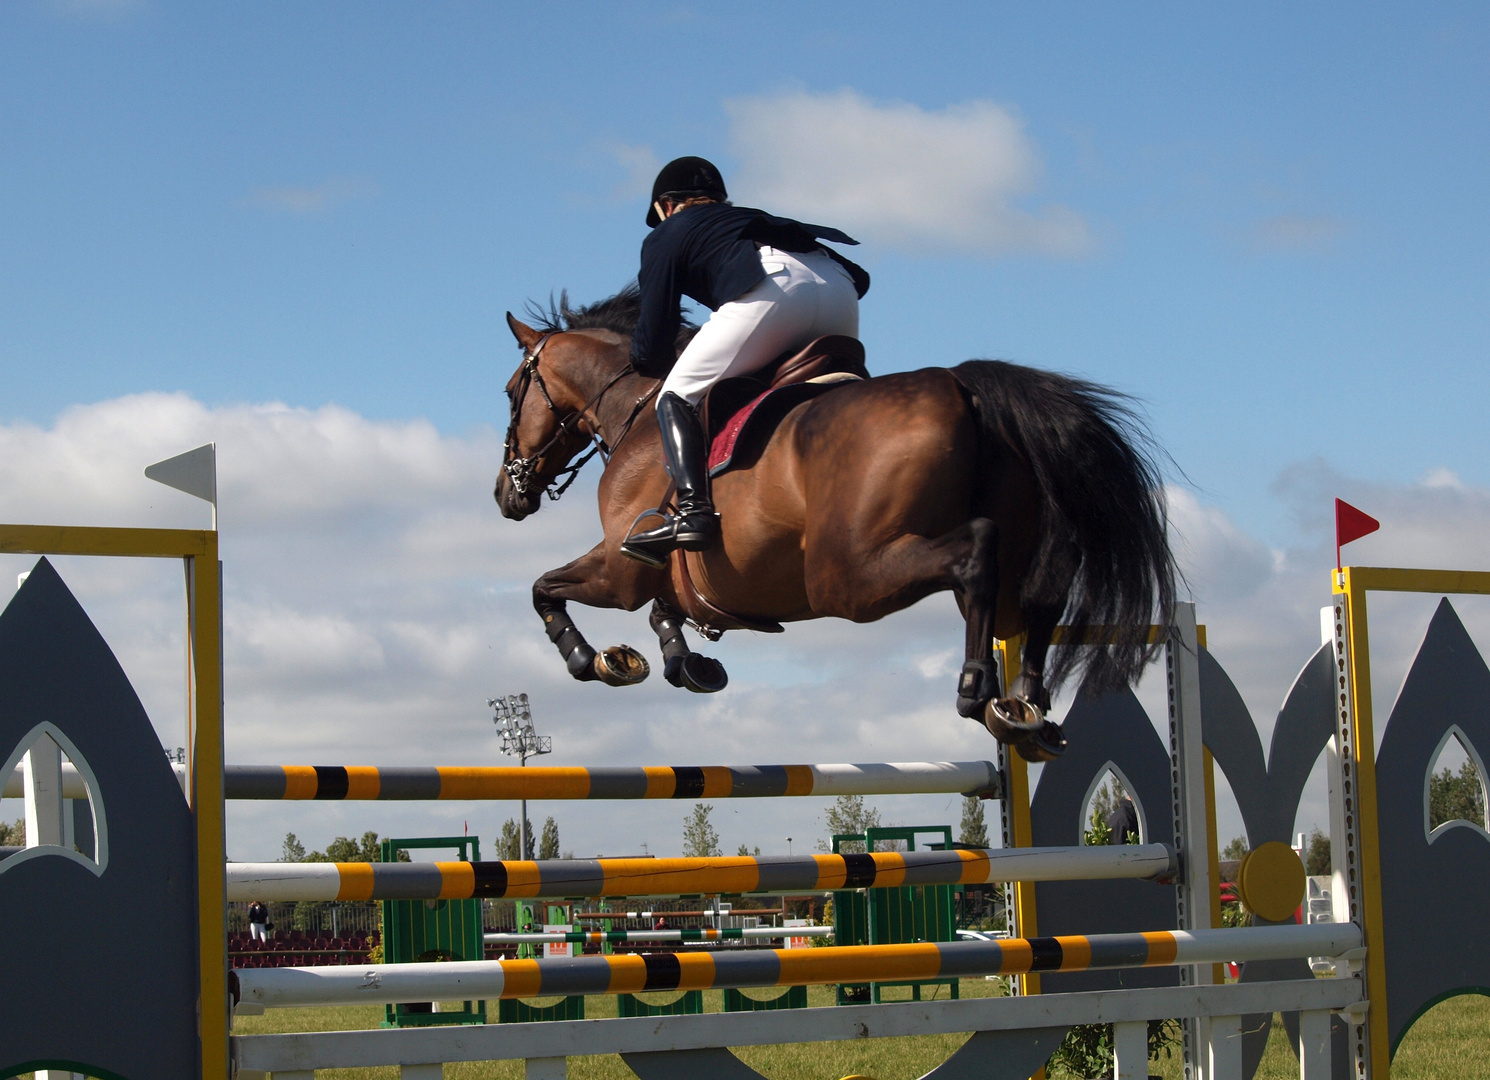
(1271, 881)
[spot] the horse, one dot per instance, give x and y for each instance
(1033, 496)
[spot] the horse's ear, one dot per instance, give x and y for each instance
(526, 336)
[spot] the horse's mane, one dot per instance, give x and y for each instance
(618, 314)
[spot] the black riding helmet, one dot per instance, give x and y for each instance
(684, 178)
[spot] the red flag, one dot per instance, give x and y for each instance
(1351, 524)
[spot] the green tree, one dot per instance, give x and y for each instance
(1236, 849)
(974, 831)
(745, 850)
(548, 843)
(1454, 797)
(1099, 831)
(345, 849)
(1107, 796)
(507, 842)
(14, 834)
(368, 848)
(699, 837)
(1087, 1049)
(849, 816)
(1317, 854)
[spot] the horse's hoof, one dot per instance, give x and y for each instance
(702, 674)
(621, 665)
(1012, 720)
(975, 686)
(1047, 744)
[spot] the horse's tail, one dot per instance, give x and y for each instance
(1103, 531)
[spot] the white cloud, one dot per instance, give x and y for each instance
(897, 175)
(1220, 560)
(375, 599)
(311, 199)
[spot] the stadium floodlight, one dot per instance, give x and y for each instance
(514, 719)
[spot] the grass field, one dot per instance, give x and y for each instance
(1450, 1042)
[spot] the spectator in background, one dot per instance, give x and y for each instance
(1123, 821)
(258, 921)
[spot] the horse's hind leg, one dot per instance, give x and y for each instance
(681, 665)
(582, 580)
(1019, 717)
(1022, 713)
(977, 587)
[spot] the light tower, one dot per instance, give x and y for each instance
(514, 720)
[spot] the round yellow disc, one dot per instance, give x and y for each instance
(1271, 881)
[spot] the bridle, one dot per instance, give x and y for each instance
(523, 471)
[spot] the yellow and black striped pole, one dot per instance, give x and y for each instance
(569, 878)
(630, 974)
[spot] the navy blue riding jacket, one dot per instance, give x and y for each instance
(711, 253)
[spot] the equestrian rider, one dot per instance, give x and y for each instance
(772, 289)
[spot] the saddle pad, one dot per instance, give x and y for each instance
(750, 426)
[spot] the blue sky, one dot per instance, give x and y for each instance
(1269, 224)
(1286, 213)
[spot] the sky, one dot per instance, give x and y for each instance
(294, 230)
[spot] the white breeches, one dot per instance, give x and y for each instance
(804, 296)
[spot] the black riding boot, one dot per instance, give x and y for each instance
(695, 526)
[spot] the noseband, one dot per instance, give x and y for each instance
(523, 471)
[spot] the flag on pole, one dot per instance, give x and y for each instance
(1351, 524)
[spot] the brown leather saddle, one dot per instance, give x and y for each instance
(740, 413)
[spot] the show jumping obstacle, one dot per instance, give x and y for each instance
(634, 974)
(560, 879)
(58, 678)
(554, 783)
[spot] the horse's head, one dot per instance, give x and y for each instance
(548, 395)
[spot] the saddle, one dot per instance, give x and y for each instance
(738, 414)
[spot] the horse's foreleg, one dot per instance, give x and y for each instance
(583, 581)
(681, 665)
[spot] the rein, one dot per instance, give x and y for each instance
(523, 471)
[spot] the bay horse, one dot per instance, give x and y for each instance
(1033, 496)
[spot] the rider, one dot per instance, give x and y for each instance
(772, 288)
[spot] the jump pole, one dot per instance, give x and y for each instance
(558, 879)
(557, 783)
(632, 974)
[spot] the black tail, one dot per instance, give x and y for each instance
(1104, 541)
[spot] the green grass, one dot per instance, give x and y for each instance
(1450, 1042)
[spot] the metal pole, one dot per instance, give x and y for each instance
(522, 821)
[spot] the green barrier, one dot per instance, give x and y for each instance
(896, 916)
(424, 930)
(794, 997)
(512, 1011)
(688, 1003)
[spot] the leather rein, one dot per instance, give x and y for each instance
(523, 471)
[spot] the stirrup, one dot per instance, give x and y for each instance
(639, 554)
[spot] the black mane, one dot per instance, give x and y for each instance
(618, 314)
